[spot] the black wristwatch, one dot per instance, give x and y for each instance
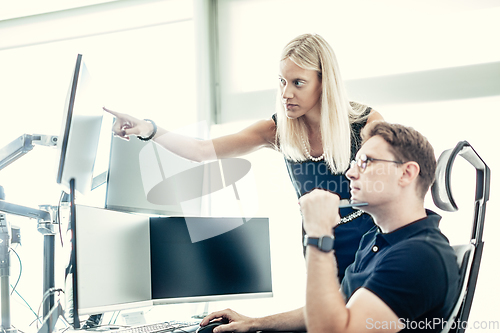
(324, 243)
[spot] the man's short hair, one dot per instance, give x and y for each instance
(407, 145)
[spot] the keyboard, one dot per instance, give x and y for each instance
(169, 326)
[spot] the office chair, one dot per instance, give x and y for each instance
(468, 255)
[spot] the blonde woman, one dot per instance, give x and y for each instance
(315, 127)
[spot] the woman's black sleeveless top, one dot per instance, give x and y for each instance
(307, 175)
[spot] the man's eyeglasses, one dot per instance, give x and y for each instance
(362, 162)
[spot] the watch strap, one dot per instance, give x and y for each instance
(324, 243)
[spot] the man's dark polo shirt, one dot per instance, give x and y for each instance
(412, 269)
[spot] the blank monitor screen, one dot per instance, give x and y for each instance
(234, 264)
(113, 271)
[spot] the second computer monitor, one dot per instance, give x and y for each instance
(232, 265)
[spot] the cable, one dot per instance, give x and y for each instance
(65, 329)
(45, 295)
(21, 331)
(35, 320)
(17, 282)
(111, 319)
(26, 302)
(20, 270)
(116, 318)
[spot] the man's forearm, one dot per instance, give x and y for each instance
(286, 321)
(325, 307)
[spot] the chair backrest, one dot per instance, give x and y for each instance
(468, 255)
(465, 254)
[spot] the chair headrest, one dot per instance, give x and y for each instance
(441, 189)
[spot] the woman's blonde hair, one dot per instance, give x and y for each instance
(312, 52)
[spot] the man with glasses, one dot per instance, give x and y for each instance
(405, 274)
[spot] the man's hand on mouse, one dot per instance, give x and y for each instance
(233, 321)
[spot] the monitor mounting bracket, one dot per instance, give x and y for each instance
(47, 223)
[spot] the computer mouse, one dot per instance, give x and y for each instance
(210, 326)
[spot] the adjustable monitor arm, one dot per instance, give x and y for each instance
(22, 145)
(46, 226)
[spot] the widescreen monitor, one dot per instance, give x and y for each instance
(231, 265)
(129, 260)
(78, 140)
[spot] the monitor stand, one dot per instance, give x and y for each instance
(204, 313)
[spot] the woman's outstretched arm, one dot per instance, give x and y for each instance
(258, 135)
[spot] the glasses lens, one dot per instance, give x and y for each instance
(358, 163)
(362, 162)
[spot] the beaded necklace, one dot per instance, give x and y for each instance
(308, 155)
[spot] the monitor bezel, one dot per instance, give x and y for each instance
(215, 297)
(68, 118)
(80, 133)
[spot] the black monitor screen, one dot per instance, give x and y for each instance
(233, 263)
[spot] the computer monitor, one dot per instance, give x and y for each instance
(132, 161)
(146, 178)
(77, 145)
(129, 260)
(234, 264)
(112, 260)
(80, 130)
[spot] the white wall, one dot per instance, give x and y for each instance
(371, 39)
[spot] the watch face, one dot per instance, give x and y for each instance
(326, 243)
